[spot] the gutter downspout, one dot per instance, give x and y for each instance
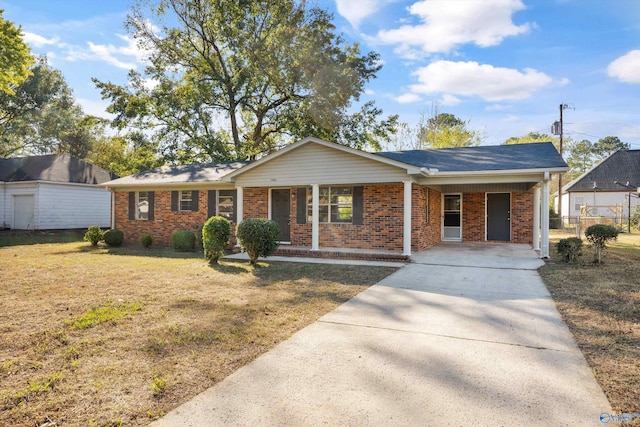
(113, 208)
(4, 204)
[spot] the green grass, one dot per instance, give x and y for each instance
(105, 313)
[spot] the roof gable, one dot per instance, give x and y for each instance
(622, 166)
(54, 168)
(483, 158)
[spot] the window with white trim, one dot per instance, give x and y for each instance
(336, 205)
(142, 205)
(186, 201)
(225, 203)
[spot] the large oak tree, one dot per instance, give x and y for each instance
(15, 58)
(236, 79)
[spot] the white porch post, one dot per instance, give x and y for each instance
(406, 230)
(239, 205)
(544, 244)
(315, 213)
(536, 218)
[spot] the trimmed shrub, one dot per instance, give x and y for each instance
(146, 240)
(215, 238)
(570, 249)
(113, 237)
(93, 235)
(184, 241)
(258, 237)
(598, 235)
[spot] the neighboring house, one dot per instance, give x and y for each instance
(330, 198)
(52, 192)
(603, 187)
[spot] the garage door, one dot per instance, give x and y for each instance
(23, 209)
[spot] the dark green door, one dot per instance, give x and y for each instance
(499, 217)
(281, 212)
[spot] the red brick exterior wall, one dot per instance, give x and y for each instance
(522, 217)
(164, 223)
(473, 211)
(381, 229)
(256, 203)
(425, 233)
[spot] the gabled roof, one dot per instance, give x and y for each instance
(53, 168)
(177, 175)
(622, 166)
(311, 139)
(484, 158)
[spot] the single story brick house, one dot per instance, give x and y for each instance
(330, 198)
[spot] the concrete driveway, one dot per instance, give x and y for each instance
(465, 335)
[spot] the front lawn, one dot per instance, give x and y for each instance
(601, 306)
(104, 337)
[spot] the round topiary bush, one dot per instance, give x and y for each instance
(258, 237)
(146, 240)
(215, 238)
(184, 241)
(93, 235)
(113, 237)
(598, 235)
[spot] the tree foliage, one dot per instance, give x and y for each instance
(598, 235)
(124, 154)
(607, 146)
(532, 137)
(41, 117)
(238, 79)
(445, 130)
(15, 58)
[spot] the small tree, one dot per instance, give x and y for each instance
(93, 235)
(258, 237)
(570, 249)
(215, 238)
(598, 235)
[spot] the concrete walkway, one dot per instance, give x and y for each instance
(465, 335)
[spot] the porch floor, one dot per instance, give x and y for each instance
(341, 253)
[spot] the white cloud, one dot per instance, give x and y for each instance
(449, 100)
(485, 81)
(119, 56)
(355, 11)
(408, 98)
(37, 40)
(106, 53)
(95, 107)
(369, 92)
(626, 68)
(497, 107)
(443, 27)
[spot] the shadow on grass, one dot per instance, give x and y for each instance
(19, 238)
(229, 268)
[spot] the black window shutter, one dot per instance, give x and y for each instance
(357, 205)
(301, 206)
(194, 200)
(174, 201)
(151, 204)
(132, 205)
(211, 203)
(234, 216)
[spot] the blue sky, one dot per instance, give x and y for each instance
(505, 65)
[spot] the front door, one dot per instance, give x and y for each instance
(281, 212)
(499, 216)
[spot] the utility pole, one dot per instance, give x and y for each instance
(557, 129)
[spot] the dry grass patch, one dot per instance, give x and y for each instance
(97, 336)
(601, 306)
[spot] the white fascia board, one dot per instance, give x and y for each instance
(169, 186)
(493, 172)
(411, 170)
(38, 182)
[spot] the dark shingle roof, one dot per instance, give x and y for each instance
(485, 158)
(621, 166)
(199, 172)
(54, 168)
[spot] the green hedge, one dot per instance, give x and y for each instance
(113, 237)
(258, 237)
(215, 238)
(184, 241)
